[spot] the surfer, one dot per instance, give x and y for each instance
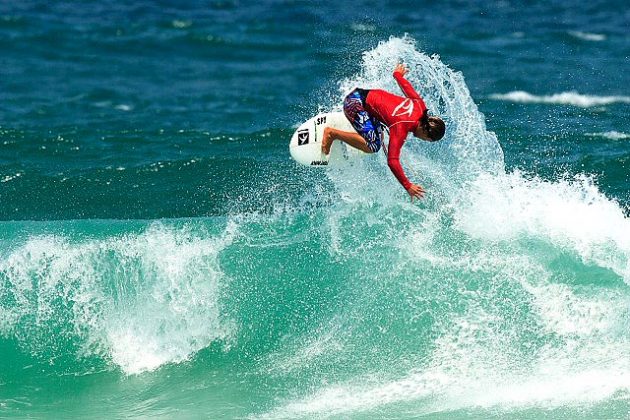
(369, 110)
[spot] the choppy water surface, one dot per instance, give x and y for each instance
(162, 256)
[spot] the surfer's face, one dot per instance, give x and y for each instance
(432, 130)
(421, 133)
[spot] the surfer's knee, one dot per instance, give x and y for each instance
(327, 138)
(330, 133)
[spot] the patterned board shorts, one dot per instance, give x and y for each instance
(368, 127)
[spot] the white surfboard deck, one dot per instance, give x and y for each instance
(306, 142)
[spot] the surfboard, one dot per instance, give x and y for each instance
(306, 143)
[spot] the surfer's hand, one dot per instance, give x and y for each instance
(400, 68)
(415, 191)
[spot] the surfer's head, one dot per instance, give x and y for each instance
(430, 128)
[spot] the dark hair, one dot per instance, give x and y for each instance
(435, 128)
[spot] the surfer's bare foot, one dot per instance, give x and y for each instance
(327, 140)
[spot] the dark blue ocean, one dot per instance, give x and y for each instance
(161, 255)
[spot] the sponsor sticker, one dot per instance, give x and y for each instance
(303, 137)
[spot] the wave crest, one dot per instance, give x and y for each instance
(564, 98)
(139, 300)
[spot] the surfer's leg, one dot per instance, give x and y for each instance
(353, 139)
(367, 137)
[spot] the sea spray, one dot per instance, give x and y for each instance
(467, 148)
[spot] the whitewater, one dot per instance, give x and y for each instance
(501, 293)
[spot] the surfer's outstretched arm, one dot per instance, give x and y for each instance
(399, 74)
(353, 139)
(396, 141)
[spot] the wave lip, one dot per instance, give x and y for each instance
(563, 98)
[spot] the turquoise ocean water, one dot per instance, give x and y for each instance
(161, 256)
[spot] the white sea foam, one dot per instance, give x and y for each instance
(587, 36)
(564, 98)
(477, 361)
(140, 300)
(611, 135)
(572, 214)
(540, 389)
(8, 178)
(181, 24)
(361, 27)
(179, 313)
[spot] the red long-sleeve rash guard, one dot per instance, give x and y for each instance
(401, 115)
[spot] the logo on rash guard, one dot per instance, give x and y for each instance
(405, 107)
